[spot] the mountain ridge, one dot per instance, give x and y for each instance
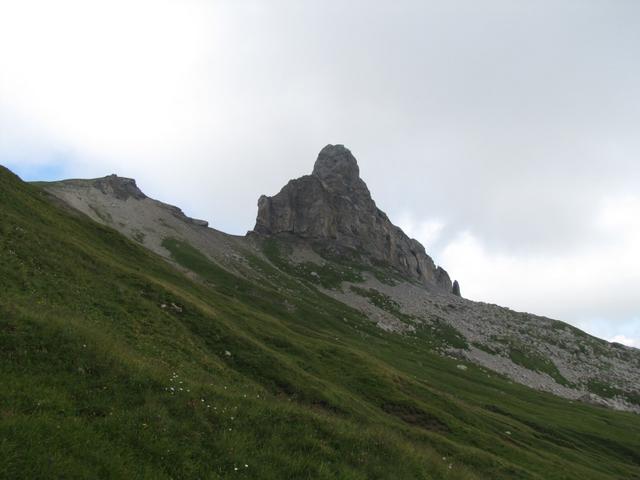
(334, 205)
(312, 215)
(170, 363)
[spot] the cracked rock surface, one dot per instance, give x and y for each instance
(334, 205)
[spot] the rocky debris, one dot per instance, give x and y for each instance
(334, 205)
(118, 202)
(492, 332)
(456, 288)
(180, 215)
(592, 399)
(115, 192)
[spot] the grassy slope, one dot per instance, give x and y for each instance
(95, 332)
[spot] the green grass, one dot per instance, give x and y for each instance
(522, 356)
(329, 275)
(383, 302)
(525, 357)
(608, 391)
(439, 335)
(336, 269)
(115, 365)
(104, 216)
(436, 334)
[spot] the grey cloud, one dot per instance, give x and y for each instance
(508, 119)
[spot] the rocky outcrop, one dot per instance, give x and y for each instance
(119, 187)
(456, 288)
(334, 204)
(197, 222)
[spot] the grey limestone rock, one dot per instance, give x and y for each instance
(197, 222)
(333, 204)
(119, 187)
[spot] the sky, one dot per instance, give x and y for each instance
(502, 134)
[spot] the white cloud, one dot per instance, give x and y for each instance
(427, 231)
(599, 280)
(624, 340)
(111, 78)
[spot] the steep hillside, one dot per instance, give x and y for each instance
(118, 364)
(325, 230)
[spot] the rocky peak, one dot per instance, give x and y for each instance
(337, 168)
(120, 187)
(333, 205)
(456, 289)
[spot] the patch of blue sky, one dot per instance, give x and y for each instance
(32, 173)
(621, 331)
(49, 169)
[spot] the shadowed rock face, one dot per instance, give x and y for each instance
(334, 204)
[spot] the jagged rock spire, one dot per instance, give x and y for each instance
(336, 163)
(334, 205)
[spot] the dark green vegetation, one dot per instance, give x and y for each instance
(437, 334)
(520, 355)
(382, 301)
(347, 267)
(607, 391)
(330, 275)
(115, 365)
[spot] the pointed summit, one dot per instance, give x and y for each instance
(333, 206)
(336, 161)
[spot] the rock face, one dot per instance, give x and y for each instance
(120, 187)
(456, 289)
(334, 204)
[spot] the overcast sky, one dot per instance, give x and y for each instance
(504, 135)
